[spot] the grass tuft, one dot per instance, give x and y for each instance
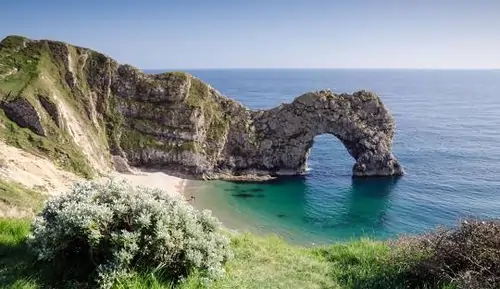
(16, 262)
(16, 195)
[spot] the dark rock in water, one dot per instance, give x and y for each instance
(24, 114)
(243, 195)
(239, 189)
(255, 190)
(311, 220)
(247, 195)
(280, 215)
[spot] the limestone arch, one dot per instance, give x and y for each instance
(359, 120)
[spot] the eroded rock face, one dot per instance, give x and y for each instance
(121, 165)
(51, 108)
(178, 122)
(22, 112)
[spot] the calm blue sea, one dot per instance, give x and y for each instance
(447, 138)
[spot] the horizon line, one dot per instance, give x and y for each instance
(316, 68)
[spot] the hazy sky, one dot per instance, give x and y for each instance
(272, 33)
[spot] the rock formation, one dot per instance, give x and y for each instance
(176, 121)
(22, 112)
(285, 134)
(51, 109)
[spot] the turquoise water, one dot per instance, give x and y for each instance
(447, 138)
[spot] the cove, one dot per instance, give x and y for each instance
(288, 208)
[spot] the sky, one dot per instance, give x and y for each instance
(176, 34)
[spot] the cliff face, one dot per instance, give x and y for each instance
(80, 107)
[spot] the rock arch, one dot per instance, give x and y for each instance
(283, 136)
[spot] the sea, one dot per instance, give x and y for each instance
(447, 139)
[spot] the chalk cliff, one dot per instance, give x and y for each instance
(82, 109)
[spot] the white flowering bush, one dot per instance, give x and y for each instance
(107, 231)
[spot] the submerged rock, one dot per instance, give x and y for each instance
(247, 195)
(176, 121)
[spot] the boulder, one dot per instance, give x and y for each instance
(24, 114)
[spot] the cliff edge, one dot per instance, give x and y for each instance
(82, 110)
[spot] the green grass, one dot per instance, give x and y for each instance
(258, 262)
(16, 263)
(272, 263)
(24, 60)
(17, 195)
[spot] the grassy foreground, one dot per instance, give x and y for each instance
(258, 263)
(465, 257)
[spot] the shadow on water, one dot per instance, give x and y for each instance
(363, 205)
(368, 203)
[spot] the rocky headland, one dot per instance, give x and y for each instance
(86, 112)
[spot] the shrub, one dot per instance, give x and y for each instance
(468, 256)
(101, 232)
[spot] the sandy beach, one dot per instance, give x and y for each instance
(174, 186)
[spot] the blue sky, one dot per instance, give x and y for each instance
(269, 34)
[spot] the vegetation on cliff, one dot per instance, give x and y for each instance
(77, 106)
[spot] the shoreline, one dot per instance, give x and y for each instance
(174, 186)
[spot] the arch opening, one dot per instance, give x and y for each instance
(328, 157)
